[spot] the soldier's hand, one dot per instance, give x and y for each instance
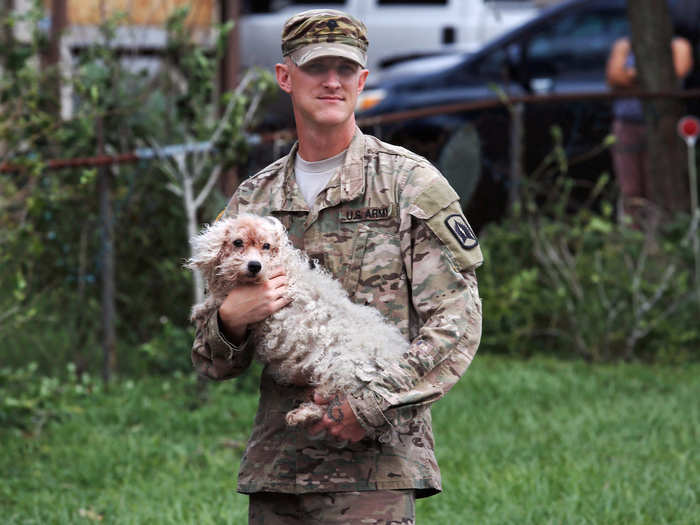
(339, 420)
(250, 303)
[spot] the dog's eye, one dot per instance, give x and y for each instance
(238, 243)
(266, 246)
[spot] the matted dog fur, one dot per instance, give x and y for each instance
(321, 339)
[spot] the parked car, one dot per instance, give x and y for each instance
(397, 29)
(562, 50)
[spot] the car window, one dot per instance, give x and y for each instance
(491, 66)
(577, 42)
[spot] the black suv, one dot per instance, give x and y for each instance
(563, 50)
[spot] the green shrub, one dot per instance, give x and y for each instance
(580, 284)
(50, 226)
(28, 399)
(166, 352)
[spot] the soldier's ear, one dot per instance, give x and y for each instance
(284, 79)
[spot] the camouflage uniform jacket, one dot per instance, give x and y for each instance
(391, 229)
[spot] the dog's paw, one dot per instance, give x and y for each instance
(306, 414)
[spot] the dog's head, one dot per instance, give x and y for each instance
(238, 249)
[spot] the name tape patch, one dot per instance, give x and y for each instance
(365, 214)
(461, 230)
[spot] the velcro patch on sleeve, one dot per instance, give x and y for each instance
(453, 230)
(460, 228)
(439, 206)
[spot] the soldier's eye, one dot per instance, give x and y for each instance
(266, 246)
(346, 70)
(238, 243)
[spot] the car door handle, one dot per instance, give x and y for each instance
(449, 35)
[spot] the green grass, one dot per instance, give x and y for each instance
(533, 442)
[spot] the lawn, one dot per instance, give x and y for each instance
(521, 442)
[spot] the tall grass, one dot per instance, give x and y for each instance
(537, 441)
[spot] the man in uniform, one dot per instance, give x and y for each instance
(385, 223)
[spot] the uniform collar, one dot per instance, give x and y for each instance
(346, 186)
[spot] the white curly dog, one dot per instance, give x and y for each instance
(321, 339)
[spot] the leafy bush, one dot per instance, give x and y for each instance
(50, 230)
(28, 399)
(168, 351)
(578, 283)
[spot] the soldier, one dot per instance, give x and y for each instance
(385, 223)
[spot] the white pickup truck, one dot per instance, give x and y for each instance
(396, 29)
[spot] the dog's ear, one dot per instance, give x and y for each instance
(276, 223)
(278, 228)
(206, 246)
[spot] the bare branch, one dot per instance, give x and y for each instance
(8, 313)
(175, 189)
(213, 177)
(248, 78)
(168, 165)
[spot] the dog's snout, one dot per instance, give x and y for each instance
(254, 267)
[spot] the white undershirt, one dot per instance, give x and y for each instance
(312, 177)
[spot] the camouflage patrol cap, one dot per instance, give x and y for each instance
(324, 32)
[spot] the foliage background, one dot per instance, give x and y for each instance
(50, 245)
(527, 440)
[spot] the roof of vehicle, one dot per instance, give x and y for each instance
(444, 62)
(549, 12)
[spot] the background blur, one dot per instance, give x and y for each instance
(126, 125)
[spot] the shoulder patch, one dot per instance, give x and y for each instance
(221, 213)
(461, 230)
(456, 236)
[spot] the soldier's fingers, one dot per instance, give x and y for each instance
(279, 282)
(279, 303)
(275, 272)
(355, 435)
(335, 430)
(318, 430)
(277, 293)
(320, 400)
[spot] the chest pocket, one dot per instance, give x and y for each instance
(375, 272)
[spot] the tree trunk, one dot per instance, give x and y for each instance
(651, 33)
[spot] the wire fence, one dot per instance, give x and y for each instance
(287, 135)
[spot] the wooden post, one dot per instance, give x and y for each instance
(107, 262)
(52, 58)
(59, 21)
(517, 111)
(229, 75)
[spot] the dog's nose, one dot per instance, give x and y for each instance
(254, 267)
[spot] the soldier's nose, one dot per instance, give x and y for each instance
(254, 267)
